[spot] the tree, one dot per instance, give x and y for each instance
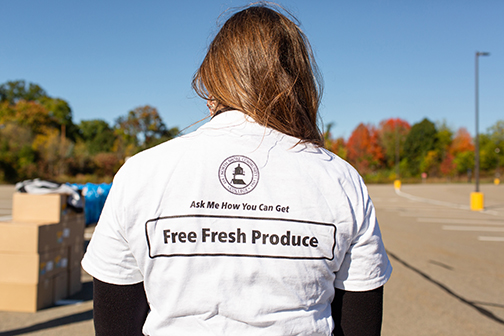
(444, 137)
(495, 146)
(59, 110)
(143, 127)
(464, 162)
(17, 157)
(107, 164)
(462, 142)
(14, 91)
(364, 151)
(430, 163)
(456, 154)
(392, 134)
(61, 114)
(337, 146)
(50, 123)
(448, 166)
(440, 160)
(27, 113)
(496, 133)
(48, 146)
(98, 136)
(420, 140)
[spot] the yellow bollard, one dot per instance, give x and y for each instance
(477, 201)
(496, 181)
(397, 184)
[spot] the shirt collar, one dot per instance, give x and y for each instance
(229, 118)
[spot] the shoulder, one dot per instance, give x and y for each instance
(327, 163)
(339, 177)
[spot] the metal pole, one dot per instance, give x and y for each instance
(477, 151)
(476, 157)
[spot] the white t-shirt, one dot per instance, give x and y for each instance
(236, 229)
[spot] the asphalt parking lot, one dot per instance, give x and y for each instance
(448, 261)
(448, 264)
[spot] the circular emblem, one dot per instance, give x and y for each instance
(238, 174)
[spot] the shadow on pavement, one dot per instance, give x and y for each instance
(84, 316)
(495, 206)
(472, 304)
(86, 294)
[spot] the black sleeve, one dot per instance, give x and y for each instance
(357, 313)
(119, 309)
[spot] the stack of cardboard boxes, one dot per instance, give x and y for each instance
(40, 252)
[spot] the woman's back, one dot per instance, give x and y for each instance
(259, 254)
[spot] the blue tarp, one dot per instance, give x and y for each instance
(94, 196)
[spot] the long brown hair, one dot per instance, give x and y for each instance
(261, 63)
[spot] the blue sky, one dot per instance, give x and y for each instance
(379, 59)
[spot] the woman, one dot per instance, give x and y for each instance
(246, 226)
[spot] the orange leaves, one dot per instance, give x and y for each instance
(364, 151)
(462, 142)
(395, 124)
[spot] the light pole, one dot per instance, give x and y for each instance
(477, 197)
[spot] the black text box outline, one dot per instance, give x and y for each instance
(239, 255)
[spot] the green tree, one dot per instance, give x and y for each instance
(97, 135)
(14, 91)
(444, 138)
(143, 127)
(421, 139)
(17, 157)
(464, 162)
(493, 149)
(59, 111)
(392, 135)
(433, 162)
(61, 114)
(50, 122)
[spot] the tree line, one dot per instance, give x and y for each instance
(396, 149)
(38, 138)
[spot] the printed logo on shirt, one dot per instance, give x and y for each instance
(237, 236)
(238, 174)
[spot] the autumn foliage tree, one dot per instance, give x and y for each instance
(363, 149)
(392, 135)
(49, 123)
(337, 146)
(22, 123)
(460, 156)
(462, 142)
(143, 126)
(39, 139)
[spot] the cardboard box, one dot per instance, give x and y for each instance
(75, 241)
(74, 280)
(74, 229)
(50, 208)
(37, 237)
(75, 253)
(60, 289)
(34, 237)
(32, 268)
(26, 297)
